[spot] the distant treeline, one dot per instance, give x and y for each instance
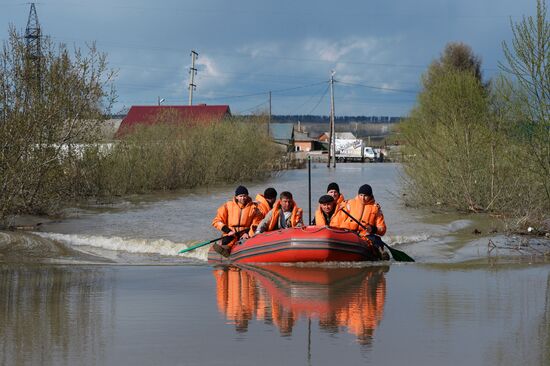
(308, 118)
(341, 119)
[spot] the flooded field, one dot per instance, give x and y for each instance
(105, 286)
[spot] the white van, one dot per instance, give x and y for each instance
(369, 153)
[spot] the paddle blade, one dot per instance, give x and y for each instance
(398, 255)
(195, 247)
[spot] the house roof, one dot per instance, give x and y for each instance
(341, 135)
(281, 131)
(302, 136)
(174, 114)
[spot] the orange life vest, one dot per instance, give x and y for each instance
(237, 217)
(295, 217)
(334, 219)
(368, 214)
(262, 204)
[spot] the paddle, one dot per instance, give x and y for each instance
(208, 242)
(398, 255)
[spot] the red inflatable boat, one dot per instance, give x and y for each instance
(307, 244)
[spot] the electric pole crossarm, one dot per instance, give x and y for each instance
(192, 73)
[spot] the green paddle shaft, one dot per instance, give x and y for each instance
(398, 255)
(207, 242)
(198, 245)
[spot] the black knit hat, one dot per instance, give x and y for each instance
(365, 189)
(334, 186)
(270, 193)
(241, 190)
(326, 199)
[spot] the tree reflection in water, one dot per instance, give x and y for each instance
(52, 315)
(340, 298)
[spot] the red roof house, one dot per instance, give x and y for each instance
(189, 115)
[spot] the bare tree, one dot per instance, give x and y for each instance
(528, 58)
(42, 118)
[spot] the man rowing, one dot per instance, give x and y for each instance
(237, 219)
(363, 209)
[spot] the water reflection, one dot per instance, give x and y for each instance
(52, 315)
(338, 298)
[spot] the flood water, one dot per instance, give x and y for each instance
(105, 286)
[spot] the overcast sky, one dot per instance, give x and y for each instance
(377, 48)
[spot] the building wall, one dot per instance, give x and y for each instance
(323, 137)
(303, 145)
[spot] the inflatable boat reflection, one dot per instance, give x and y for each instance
(339, 298)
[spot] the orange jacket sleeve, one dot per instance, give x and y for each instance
(256, 219)
(380, 223)
(376, 219)
(339, 217)
(221, 217)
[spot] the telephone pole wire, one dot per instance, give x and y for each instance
(332, 132)
(192, 73)
(269, 119)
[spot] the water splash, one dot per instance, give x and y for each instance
(161, 247)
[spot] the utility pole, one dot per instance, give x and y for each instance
(33, 36)
(192, 73)
(269, 119)
(332, 134)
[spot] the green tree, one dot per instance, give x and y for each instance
(448, 141)
(456, 140)
(456, 56)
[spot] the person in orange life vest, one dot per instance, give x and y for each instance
(237, 219)
(326, 213)
(285, 213)
(265, 202)
(365, 210)
(334, 190)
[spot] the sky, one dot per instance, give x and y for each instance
(377, 49)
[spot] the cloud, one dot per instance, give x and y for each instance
(333, 51)
(207, 66)
(263, 49)
(263, 46)
(209, 74)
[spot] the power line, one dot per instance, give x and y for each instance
(253, 108)
(168, 100)
(270, 57)
(266, 92)
(298, 87)
(377, 87)
(236, 96)
(320, 100)
(232, 55)
(307, 101)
